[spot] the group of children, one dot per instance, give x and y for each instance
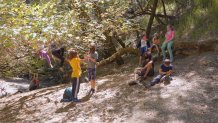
(73, 59)
(147, 66)
(146, 69)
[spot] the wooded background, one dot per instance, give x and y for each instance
(113, 25)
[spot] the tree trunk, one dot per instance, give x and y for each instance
(112, 49)
(117, 38)
(164, 9)
(118, 55)
(153, 13)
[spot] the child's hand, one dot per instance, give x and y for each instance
(86, 57)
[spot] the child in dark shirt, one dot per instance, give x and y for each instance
(58, 53)
(165, 71)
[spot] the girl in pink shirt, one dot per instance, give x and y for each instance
(168, 43)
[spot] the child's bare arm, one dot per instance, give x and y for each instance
(169, 73)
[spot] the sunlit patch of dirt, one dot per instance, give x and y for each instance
(190, 97)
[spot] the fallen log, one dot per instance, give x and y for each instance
(118, 54)
(185, 48)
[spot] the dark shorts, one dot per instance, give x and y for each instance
(143, 50)
(92, 73)
(150, 73)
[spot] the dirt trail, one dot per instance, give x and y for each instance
(190, 98)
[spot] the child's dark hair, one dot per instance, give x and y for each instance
(72, 54)
(171, 27)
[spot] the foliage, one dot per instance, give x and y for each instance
(75, 23)
(200, 22)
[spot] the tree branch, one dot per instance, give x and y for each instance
(149, 13)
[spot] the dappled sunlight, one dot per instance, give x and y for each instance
(189, 97)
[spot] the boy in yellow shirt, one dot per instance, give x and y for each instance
(75, 61)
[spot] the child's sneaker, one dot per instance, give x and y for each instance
(92, 91)
(66, 100)
(76, 100)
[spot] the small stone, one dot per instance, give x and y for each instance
(190, 74)
(215, 77)
(204, 62)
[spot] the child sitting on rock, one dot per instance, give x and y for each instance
(141, 73)
(155, 43)
(143, 49)
(35, 82)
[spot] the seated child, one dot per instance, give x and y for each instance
(35, 82)
(143, 49)
(147, 70)
(156, 43)
(165, 71)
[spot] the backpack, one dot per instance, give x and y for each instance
(67, 96)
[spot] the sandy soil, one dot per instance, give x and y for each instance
(191, 97)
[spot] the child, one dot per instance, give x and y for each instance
(43, 54)
(58, 53)
(147, 69)
(165, 72)
(92, 58)
(74, 61)
(143, 49)
(169, 37)
(156, 43)
(35, 82)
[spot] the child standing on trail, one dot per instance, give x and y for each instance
(92, 58)
(165, 71)
(43, 54)
(169, 37)
(143, 49)
(75, 61)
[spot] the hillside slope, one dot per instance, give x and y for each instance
(190, 97)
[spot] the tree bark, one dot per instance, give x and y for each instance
(117, 38)
(112, 49)
(185, 48)
(117, 55)
(153, 12)
(164, 9)
(149, 13)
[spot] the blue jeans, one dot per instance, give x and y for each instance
(158, 78)
(143, 50)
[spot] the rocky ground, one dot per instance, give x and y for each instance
(191, 97)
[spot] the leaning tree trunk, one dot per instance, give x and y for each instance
(111, 49)
(118, 54)
(153, 12)
(184, 48)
